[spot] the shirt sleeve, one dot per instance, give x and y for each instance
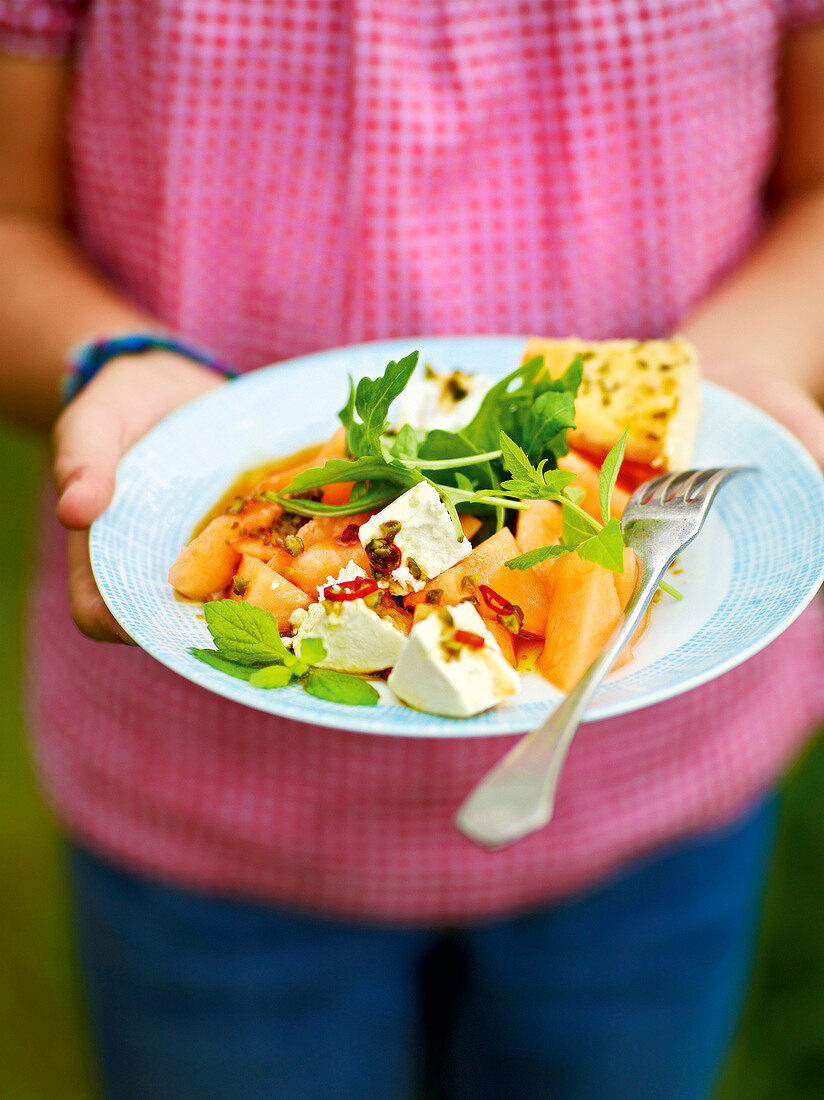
(40, 28)
(798, 13)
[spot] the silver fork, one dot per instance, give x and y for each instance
(517, 796)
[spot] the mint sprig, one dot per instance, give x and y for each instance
(602, 544)
(249, 647)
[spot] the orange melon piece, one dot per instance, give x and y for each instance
(323, 559)
(388, 609)
(587, 479)
(586, 601)
(263, 587)
(539, 525)
(484, 561)
(504, 639)
(330, 528)
(583, 611)
(206, 565)
(523, 588)
(470, 525)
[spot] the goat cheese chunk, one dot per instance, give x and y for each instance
(355, 638)
(446, 401)
(419, 525)
(440, 671)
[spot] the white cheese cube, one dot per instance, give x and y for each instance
(426, 538)
(438, 674)
(445, 401)
(355, 637)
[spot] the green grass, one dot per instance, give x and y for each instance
(779, 1054)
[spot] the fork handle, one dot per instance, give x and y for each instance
(517, 796)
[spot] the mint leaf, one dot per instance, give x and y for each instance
(213, 658)
(339, 687)
(606, 548)
(535, 557)
(609, 475)
(312, 651)
(273, 676)
(243, 633)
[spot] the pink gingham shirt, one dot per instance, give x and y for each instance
(272, 177)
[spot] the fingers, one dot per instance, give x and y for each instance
(89, 612)
(88, 447)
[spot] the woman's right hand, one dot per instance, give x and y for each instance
(127, 397)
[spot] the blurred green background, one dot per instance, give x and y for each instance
(44, 1054)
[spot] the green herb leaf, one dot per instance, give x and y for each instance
(609, 474)
(370, 401)
(273, 676)
(606, 548)
(312, 651)
(535, 557)
(575, 527)
(244, 633)
(339, 687)
(213, 658)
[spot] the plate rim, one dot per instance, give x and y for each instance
(341, 717)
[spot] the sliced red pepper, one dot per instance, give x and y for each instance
(495, 602)
(350, 590)
(466, 637)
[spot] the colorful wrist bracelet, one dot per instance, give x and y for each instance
(86, 360)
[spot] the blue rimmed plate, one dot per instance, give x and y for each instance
(756, 564)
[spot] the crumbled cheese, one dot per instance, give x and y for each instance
(355, 637)
(445, 401)
(430, 676)
(426, 538)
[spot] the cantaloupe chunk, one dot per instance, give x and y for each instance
(324, 559)
(206, 565)
(330, 528)
(587, 479)
(470, 525)
(586, 601)
(484, 562)
(539, 525)
(258, 584)
(504, 639)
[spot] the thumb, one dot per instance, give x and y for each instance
(88, 444)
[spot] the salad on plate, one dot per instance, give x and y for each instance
(451, 534)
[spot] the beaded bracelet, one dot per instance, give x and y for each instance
(87, 359)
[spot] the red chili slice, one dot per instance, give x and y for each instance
(350, 590)
(466, 637)
(495, 602)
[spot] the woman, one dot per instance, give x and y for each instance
(255, 899)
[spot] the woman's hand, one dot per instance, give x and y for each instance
(129, 396)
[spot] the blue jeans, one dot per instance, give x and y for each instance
(626, 993)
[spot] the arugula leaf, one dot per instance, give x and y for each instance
(245, 634)
(213, 658)
(273, 676)
(609, 474)
(407, 443)
(340, 687)
(517, 462)
(312, 651)
(370, 400)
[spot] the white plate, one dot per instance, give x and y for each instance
(757, 563)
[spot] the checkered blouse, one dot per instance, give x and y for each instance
(272, 177)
